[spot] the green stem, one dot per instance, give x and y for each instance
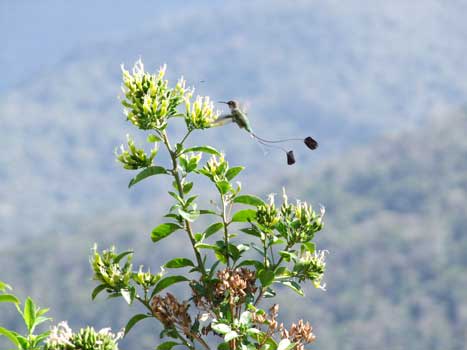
(226, 233)
(178, 182)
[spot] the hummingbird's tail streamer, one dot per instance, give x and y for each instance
(309, 141)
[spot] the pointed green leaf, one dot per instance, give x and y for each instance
(249, 200)
(134, 320)
(189, 216)
(168, 281)
(10, 335)
(232, 172)
(149, 171)
(309, 246)
(223, 186)
(294, 286)
(266, 277)
(121, 256)
(153, 138)
(204, 149)
(29, 314)
(167, 345)
(245, 215)
(97, 290)
(178, 263)
(163, 231)
(4, 286)
(213, 229)
(9, 298)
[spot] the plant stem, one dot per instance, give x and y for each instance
(176, 176)
(226, 233)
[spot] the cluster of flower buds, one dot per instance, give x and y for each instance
(296, 222)
(148, 100)
(300, 334)
(302, 220)
(171, 312)
(237, 283)
(108, 271)
(215, 168)
(311, 266)
(267, 215)
(200, 114)
(135, 158)
(146, 279)
(61, 337)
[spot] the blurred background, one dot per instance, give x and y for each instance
(381, 85)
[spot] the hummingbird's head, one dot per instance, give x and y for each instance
(232, 104)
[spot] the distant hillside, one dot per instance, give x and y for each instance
(345, 73)
(395, 231)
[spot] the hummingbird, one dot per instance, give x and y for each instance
(240, 118)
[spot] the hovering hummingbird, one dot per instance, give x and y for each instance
(240, 118)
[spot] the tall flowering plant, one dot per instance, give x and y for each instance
(229, 274)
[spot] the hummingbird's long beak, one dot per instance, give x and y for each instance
(222, 102)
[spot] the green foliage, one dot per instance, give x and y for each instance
(31, 315)
(278, 248)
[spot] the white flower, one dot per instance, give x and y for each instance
(60, 335)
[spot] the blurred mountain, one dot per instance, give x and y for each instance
(395, 232)
(345, 73)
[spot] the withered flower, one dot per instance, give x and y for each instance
(171, 312)
(290, 158)
(238, 282)
(311, 143)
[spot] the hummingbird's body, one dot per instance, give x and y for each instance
(237, 116)
(240, 118)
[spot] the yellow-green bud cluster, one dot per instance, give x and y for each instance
(267, 216)
(148, 100)
(200, 114)
(89, 339)
(216, 168)
(311, 266)
(108, 271)
(146, 279)
(135, 158)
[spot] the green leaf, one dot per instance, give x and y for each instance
(252, 231)
(294, 286)
(149, 171)
(309, 246)
(153, 138)
(192, 216)
(204, 149)
(97, 290)
(221, 328)
(168, 281)
(213, 229)
(207, 211)
(206, 246)
(223, 186)
(134, 320)
(29, 314)
(231, 335)
(232, 172)
(9, 298)
(249, 200)
(287, 255)
(10, 335)
(245, 215)
(163, 231)
(121, 256)
(4, 286)
(254, 263)
(187, 187)
(178, 263)
(266, 277)
(167, 345)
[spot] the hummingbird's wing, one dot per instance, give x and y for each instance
(223, 119)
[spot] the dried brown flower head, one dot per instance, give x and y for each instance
(238, 282)
(171, 312)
